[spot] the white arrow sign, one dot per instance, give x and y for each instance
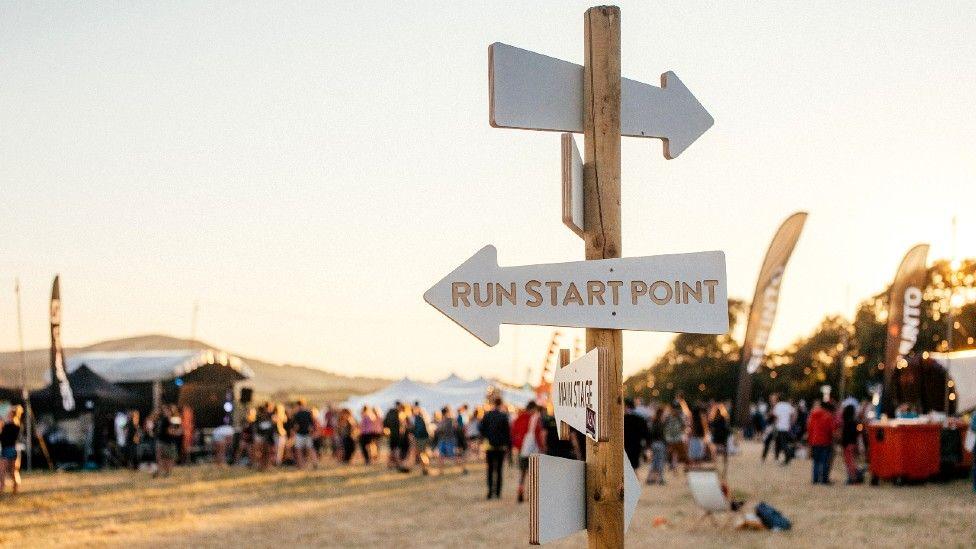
(531, 91)
(665, 293)
(580, 394)
(557, 497)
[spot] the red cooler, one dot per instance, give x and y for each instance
(904, 449)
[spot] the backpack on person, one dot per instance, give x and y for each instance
(771, 518)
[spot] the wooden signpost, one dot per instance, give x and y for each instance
(604, 294)
(580, 398)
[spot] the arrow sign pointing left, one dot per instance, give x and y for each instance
(532, 91)
(663, 293)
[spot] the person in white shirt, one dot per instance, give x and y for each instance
(785, 415)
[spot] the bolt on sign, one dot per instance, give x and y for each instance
(664, 293)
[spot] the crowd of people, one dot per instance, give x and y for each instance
(670, 436)
(277, 434)
(677, 435)
(789, 427)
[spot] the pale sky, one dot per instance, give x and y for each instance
(307, 171)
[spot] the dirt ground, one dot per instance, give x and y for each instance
(358, 506)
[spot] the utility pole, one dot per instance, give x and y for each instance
(25, 395)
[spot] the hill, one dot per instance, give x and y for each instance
(270, 380)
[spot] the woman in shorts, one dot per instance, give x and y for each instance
(168, 439)
(448, 432)
(223, 436)
(9, 453)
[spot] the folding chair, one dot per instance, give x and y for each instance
(706, 489)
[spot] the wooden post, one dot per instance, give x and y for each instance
(601, 214)
(564, 430)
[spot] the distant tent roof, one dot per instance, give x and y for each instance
(146, 366)
(86, 386)
(452, 391)
(962, 369)
(452, 380)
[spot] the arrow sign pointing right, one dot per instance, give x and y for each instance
(664, 293)
(532, 91)
(557, 497)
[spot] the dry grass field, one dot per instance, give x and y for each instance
(356, 506)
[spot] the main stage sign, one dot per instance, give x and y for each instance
(662, 293)
(580, 394)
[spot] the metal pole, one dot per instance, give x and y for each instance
(25, 395)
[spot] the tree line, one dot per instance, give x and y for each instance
(705, 367)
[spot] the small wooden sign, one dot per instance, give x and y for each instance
(557, 497)
(572, 171)
(663, 293)
(532, 91)
(580, 395)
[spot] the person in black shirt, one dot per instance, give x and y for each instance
(9, 453)
(636, 433)
(304, 424)
(848, 440)
(718, 426)
(497, 433)
(555, 446)
(265, 430)
(394, 426)
(133, 436)
(168, 439)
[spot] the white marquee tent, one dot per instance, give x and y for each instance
(452, 391)
(962, 369)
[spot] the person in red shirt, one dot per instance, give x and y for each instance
(528, 437)
(820, 435)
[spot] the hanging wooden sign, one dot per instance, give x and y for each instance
(663, 293)
(580, 397)
(532, 91)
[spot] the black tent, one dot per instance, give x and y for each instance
(11, 394)
(90, 391)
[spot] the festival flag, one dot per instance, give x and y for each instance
(904, 316)
(762, 312)
(58, 373)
